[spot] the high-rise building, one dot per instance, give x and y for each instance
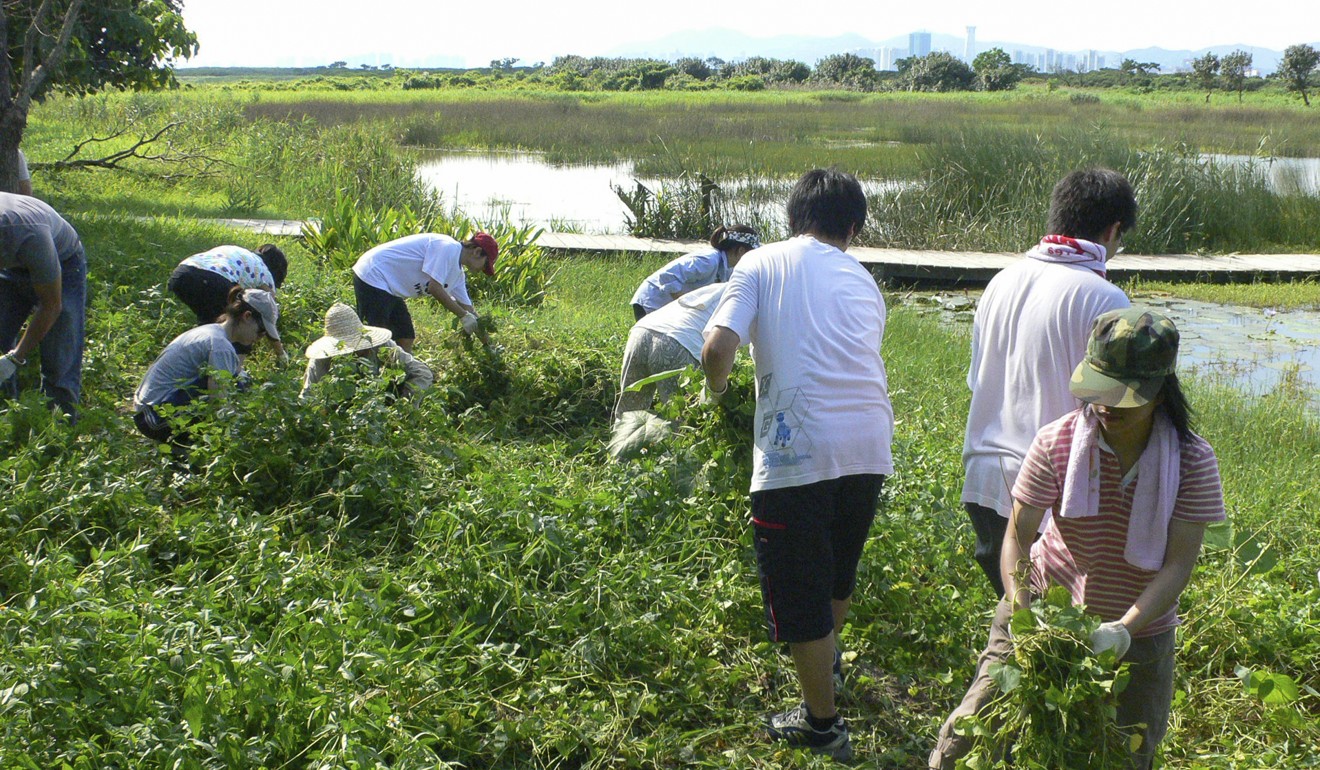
(919, 44)
(969, 51)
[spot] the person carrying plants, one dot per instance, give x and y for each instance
(43, 282)
(1132, 489)
(344, 334)
(1028, 333)
(692, 271)
(669, 338)
(185, 369)
(419, 265)
(821, 450)
(203, 282)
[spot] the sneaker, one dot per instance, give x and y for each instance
(793, 728)
(838, 671)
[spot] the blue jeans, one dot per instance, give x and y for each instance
(62, 347)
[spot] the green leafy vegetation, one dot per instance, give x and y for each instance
(471, 580)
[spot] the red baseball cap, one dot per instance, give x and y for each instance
(492, 249)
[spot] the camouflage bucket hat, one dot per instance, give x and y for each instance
(1130, 353)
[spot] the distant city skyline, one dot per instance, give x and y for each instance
(406, 33)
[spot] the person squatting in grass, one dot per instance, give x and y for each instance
(371, 346)
(1029, 331)
(184, 370)
(43, 274)
(694, 270)
(1132, 489)
(669, 338)
(823, 428)
(203, 282)
(419, 265)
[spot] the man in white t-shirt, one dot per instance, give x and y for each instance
(417, 266)
(815, 319)
(1029, 333)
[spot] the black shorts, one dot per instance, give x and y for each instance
(204, 292)
(377, 307)
(808, 542)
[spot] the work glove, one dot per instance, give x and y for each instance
(7, 366)
(470, 323)
(1111, 636)
(282, 358)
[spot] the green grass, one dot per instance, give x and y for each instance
(1301, 295)
(471, 581)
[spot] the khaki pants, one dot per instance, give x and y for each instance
(1142, 708)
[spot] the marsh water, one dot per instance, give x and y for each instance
(1253, 349)
(525, 188)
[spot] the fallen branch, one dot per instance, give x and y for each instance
(144, 149)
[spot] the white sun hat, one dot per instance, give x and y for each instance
(345, 333)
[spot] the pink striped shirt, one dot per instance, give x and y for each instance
(1085, 555)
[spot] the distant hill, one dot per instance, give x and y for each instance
(732, 45)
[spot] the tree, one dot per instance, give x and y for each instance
(1206, 70)
(1234, 67)
(338, 65)
(81, 47)
(848, 70)
(995, 71)
(697, 68)
(1299, 61)
(938, 71)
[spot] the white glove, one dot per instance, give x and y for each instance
(1111, 636)
(470, 323)
(283, 358)
(7, 367)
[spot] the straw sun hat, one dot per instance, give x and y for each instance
(345, 333)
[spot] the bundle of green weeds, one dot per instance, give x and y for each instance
(1057, 702)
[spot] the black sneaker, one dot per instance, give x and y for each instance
(793, 728)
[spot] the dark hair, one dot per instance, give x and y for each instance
(275, 261)
(720, 240)
(829, 202)
(1176, 408)
(236, 306)
(1086, 202)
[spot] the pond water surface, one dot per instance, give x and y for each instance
(1253, 349)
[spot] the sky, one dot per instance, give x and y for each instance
(317, 32)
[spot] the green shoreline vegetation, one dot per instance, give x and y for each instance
(469, 581)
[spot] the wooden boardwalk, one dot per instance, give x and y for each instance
(900, 265)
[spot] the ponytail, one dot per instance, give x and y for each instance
(236, 306)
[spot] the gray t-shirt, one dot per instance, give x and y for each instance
(182, 362)
(34, 238)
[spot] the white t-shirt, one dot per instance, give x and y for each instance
(688, 272)
(404, 266)
(685, 318)
(23, 174)
(815, 320)
(1029, 333)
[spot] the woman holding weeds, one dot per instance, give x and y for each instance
(184, 370)
(1132, 489)
(692, 271)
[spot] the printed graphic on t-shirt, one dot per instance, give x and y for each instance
(781, 437)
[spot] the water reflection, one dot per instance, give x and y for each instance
(1285, 176)
(524, 188)
(1253, 349)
